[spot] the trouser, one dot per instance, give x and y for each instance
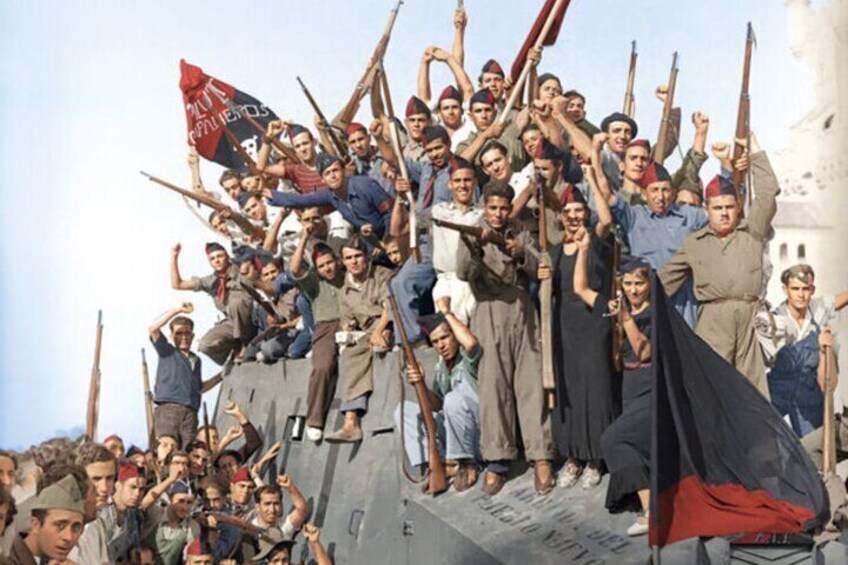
(462, 301)
(457, 423)
(510, 382)
(177, 421)
(322, 380)
(812, 442)
(728, 327)
(412, 287)
(230, 333)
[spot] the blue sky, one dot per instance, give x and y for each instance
(89, 96)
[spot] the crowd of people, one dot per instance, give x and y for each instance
(482, 207)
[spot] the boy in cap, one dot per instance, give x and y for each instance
(274, 549)
(793, 336)
(367, 160)
(418, 117)
(178, 386)
(56, 524)
(725, 261)
(453, 396)
(499, 277)
(232, 333)
(483, 114)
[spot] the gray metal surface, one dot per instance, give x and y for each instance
(370, 514)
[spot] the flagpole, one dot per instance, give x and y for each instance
(522, 78)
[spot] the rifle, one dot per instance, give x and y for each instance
(93, 408)
(240, 220)
(743, 116)
(338, 146)
(629, 99)
(395, 139)
(660, 148)
(438, 481)
(244, 525)
(207, 439)
(525, 72)
(545, 299)
(616, 322)
(281, 147)
(148, 404)
(828, 440)
(374, 63)
(251, 164)
(262, 301)
(474, 231)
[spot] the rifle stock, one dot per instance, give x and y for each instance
(347, 113)
(743, 115)
(240, 220)
(395, 139)
(438, 480)
(93, 407)
(629, 99)
(474, 231)
(545, 300)
(828, 431)
(616, 321)
(662, 141)
(148, 404)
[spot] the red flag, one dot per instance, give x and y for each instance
(204, 98)
(536, 31)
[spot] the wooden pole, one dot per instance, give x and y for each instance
(545, 300)
(93, 408)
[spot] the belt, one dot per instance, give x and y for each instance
(742, 298)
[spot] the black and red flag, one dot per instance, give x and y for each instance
(723, 461)
(208, 102)
(536, 32)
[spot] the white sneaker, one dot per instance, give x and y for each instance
(314, 434)
(591, 478)
(639, 527)
(569, 478)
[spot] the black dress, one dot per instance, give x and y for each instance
(588, 388)
(627, 442)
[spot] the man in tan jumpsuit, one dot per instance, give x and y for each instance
(725, 260)
(505, 323)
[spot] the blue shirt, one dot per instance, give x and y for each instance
(367, 203)
(421, 172)
(372, 166)
(176, 380)
(656, 238)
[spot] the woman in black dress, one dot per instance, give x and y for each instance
(626, 444)
(586, 378)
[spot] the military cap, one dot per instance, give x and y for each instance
(63, 495)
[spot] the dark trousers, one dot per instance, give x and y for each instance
(325, 365)
(177, 421)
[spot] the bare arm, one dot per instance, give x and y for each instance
(840, 301)
(194, 167)
(581, 269)
(459, 74)
(460, 21)
(311, 532)
(155, 328)
(493, 132)
(383, 146)
(157, 491)
(275, 128)
(296, 266)
(579, 140)
(211, 383)
(604, 215)
(177, 282)
(299, 513)
(424, 91)
(270, 243)
(399, 215)
(466, 339)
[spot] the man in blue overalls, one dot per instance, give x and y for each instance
(793, 346)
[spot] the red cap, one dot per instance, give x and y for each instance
(493, 67)
(195, 549)
(640, 143)
(450, 92)
(719, 186)
(113, 437)
(128, 471)
(354, 127)
(654, 173)
(417, 106)
(241, 475)
(572, 195)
